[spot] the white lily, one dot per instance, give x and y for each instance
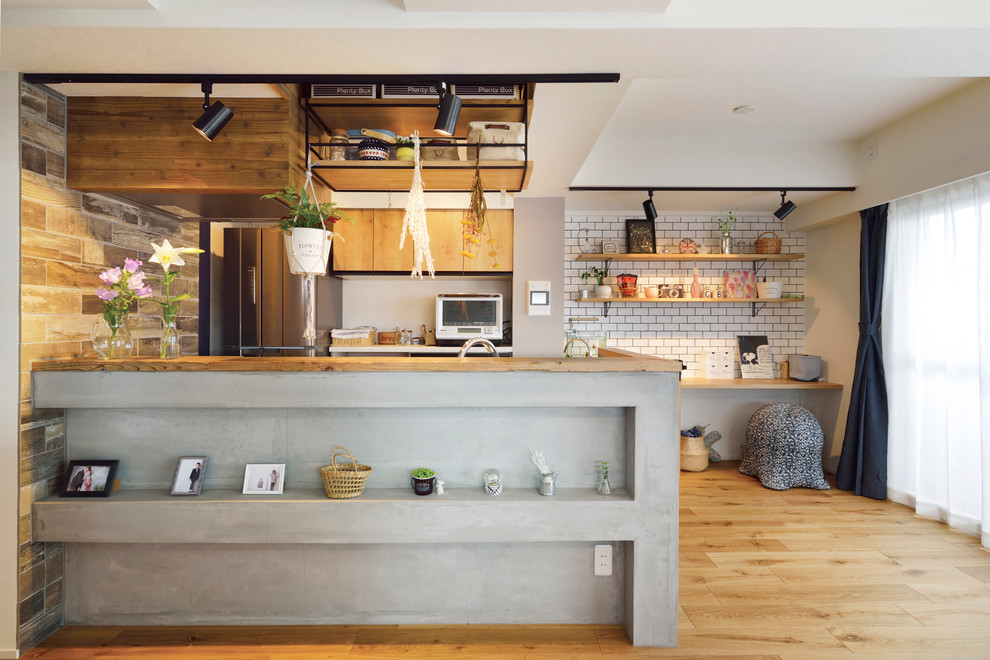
(166, 255)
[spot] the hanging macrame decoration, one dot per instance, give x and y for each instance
(475, 228)
(414, 221)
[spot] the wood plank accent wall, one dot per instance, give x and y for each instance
(154, 147)
(67, 238)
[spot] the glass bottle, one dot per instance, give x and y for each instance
(603, 487)
(112, 340)
(170, 340)
(696, 289)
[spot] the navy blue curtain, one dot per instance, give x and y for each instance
(863, 464)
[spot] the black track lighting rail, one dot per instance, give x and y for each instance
(776, 189)
(311, 79)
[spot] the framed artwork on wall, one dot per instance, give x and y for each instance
(641, 237)
(89, 478)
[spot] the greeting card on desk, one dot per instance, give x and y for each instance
(755, 360)
(719, 364)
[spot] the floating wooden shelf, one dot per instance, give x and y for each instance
(693, 300)
(755, 384)
(689, 257)
(438, 175)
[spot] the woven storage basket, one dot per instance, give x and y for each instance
(767, 245)
(368, 340)
(694, 454)
(344, 480)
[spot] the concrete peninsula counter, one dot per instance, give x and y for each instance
(141, 557)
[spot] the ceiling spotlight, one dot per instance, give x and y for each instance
(785, 207)
(211, 122)
(649, 209)
(450, 108)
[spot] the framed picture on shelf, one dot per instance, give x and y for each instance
(755, 360)
(189, 473)
(89, 478)
(641, 237)
(264, 478)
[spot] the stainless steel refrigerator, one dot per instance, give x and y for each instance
(262, 301)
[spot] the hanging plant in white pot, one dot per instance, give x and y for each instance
(307, 228)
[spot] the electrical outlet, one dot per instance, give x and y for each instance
(603, 560)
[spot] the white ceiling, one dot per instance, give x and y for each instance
(821, 76)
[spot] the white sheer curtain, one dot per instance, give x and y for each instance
(936, 350)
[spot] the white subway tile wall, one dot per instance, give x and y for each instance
(685, 331)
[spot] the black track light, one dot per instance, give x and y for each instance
(450, 108)
(649, 209)
(785, 206)
(211, 122)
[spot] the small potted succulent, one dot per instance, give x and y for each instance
(423, 480)
(308, 230)
(404, 149)
(599, 274)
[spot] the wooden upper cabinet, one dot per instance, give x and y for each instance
(131, 144)
(388, 231)
(357, 249)
(498, 227)
(372, 242)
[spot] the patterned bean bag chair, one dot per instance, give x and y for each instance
(784, 448)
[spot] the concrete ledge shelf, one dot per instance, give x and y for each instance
(385, 515)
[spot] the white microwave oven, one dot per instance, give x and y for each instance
(461, 316)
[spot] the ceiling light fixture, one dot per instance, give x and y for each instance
(649, 208)
(450, 108)
(785, 206)
(211, 122)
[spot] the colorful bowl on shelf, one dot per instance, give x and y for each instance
(372, 149)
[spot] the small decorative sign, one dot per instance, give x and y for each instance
(609, 248)
(755, 360)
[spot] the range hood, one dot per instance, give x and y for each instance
(203, 207)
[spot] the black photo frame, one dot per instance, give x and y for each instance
(189, 473)
(641, 236)
(89, 478)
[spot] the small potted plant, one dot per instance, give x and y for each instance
(599, 274)
(404, 149)
(307, 229)
(423, 480)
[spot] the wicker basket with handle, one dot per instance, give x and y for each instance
(767, 245)
(344, 480)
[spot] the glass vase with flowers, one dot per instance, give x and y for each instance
(167, 256)
(123, 286)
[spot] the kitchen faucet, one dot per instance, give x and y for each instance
(492, 351)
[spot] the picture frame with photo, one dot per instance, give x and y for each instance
(264, 478)
(89, 478)
(189, 474)
(641, 236)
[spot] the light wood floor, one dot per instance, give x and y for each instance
(792, 575)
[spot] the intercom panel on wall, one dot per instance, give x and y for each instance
(538, 298)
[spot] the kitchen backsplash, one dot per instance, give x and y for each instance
(685, 331)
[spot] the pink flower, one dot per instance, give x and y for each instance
(136, 281)
(111, 275)
(131, 265)
(144, 292)
(106, 294)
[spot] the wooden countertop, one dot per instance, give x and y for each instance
(628, 362)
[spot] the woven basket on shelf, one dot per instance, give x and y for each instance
(344, 480)
(366, 340)
(767, 245)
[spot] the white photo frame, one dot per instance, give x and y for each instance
(189, 474)
(264, 478)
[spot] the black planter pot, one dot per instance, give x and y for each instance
(423, 486)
